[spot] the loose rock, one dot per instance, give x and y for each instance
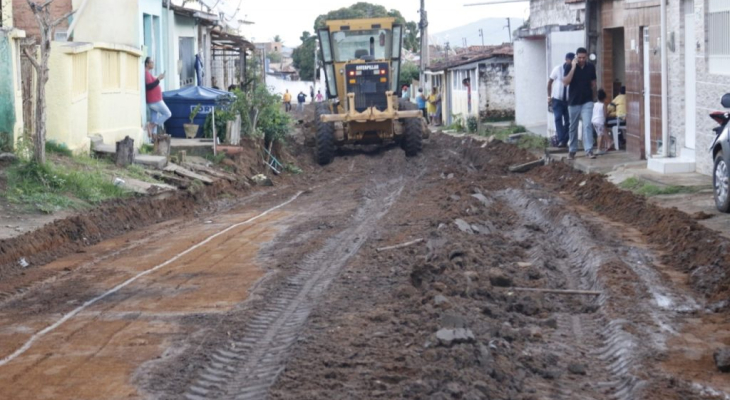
(577, 369)
(498, 278)
(448, 337)
(722, 360)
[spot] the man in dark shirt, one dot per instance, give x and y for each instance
(581, 77)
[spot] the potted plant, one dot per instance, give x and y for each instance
(191, 129)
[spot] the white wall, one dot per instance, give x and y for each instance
(530, 83)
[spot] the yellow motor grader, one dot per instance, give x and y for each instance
(362, 63)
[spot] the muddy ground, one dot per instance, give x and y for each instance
(283, 293)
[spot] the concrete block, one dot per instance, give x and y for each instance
(157, 162)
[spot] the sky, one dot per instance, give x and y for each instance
(289, 18)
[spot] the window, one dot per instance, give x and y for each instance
(110, 75)
(131, 79)
(80, 69)
(458, 79)
(718, 39)
(352, 45)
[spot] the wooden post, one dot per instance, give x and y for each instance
(125, 152)
(162, 145)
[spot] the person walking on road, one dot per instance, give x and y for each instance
(311, 92)
(287, 101)
(558, 98)
(319, 97)
(301, 98)
(581, 79)
(159, 113)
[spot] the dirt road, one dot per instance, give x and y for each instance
(284, 294)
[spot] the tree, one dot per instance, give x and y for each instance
(303, 56)
(408, 73)
(274, 56)
(47, 25)
(412, 37)
(277, 39)
(358, 11)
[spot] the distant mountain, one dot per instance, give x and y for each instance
(495, 32)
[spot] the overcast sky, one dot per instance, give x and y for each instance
(289, 18)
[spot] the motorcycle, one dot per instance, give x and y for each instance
(720, 149)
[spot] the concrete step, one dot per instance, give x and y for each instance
(146, 160)
(676, 165)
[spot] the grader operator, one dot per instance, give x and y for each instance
(362, 63)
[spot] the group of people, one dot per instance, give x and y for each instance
(429, 105)
(571, 92)
(301, 99)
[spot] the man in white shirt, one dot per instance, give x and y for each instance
(558, 97)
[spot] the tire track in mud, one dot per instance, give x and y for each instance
(584, 330)
(252, 360)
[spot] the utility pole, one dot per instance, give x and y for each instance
(481, 35)
(447, 48)
(463, 40)
(423, 26)
(509, 29)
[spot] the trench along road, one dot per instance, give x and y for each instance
(284, 295)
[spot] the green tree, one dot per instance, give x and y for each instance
(408, 73)
(274, 57)
(412, 37)
(303, 56)
(277, 39)
(358, 11)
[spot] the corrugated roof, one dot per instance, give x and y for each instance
(474, 54)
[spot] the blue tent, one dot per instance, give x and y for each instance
(182, 102)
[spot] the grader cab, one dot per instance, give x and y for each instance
(362, 63)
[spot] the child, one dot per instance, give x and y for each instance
(599, 122)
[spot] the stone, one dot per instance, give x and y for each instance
(463, 226)
(450, 320)
(482, 199)
(262, 180)
(577, 369)
(455, 197)
(440, 299)
(439, 286)
(722, 359)
(498, 278)
(448, 337)
(524, 264)
(146, 160)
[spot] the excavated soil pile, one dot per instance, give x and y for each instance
(687, 245)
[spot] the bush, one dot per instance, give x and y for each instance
(472, 124)
(58, 148)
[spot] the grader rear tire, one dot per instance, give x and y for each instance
(325, 136)
(413, 137)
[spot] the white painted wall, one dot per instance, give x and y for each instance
(530, 82)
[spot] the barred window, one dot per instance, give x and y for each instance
(131, 76)
(80, 74)
(110, 74)
(718, 36)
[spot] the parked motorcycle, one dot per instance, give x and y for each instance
(721, 154)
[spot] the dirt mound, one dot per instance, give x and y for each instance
(108, 220)
(687, 245)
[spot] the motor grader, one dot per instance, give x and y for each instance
(362, 63)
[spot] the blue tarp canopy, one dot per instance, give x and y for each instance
(182, 101)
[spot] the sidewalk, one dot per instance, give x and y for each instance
(695, 193)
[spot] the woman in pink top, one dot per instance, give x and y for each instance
(159, 113)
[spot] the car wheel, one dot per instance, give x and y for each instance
(721, 184)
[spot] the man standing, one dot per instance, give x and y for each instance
(582, 85)
(301, 98)
(558, 97)
(287, 101)
(421, 101)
